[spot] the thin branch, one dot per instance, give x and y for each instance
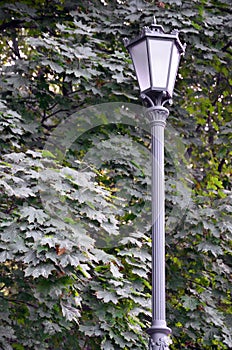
(45, 117)
(20, 302)
(15, 47)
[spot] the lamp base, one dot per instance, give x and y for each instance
(159, 338)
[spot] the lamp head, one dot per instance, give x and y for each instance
(156, 55)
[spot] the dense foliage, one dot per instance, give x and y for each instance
(64, 284)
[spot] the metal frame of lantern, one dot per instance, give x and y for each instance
(155, 97)
(157, 93)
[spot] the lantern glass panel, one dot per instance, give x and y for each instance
(173, 69)
(140, 59)
(160, 54)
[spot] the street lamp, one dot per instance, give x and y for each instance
(156, 57)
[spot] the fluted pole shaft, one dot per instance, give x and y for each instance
(159, 331)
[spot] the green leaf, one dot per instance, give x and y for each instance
(115, 271)
(48, 154)
(69, 312)
(33, 214)
(189, 302)
(210, 247)
(107, 296)
(40, 270)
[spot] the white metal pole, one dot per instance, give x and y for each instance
(159, 331)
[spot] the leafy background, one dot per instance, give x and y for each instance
(58, 289)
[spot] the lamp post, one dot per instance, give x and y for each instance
(156, 57)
